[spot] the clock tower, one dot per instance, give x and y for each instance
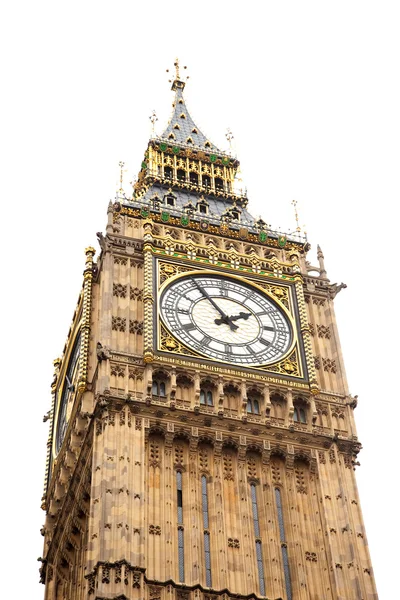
(202, 442)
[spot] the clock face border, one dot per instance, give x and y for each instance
(61, 402)
(252, 281)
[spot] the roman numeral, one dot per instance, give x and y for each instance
(265, 342)
(188, 327)
(268, 328)
(182, 311)
(205, 341)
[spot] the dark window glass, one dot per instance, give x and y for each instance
(285, 558)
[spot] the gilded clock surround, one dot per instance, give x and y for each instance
(290, 364)
(112, 529)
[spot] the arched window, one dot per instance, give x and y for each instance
(181, 175)
(206, 397)
(253, 406)
(285, 558)
(158, 388)
(194, 178)
(168, 172)
(219, 184)
(299, 415)
(206, 181)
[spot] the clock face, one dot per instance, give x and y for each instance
(68, 388)
(226, 320)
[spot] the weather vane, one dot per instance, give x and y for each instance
(153, 118)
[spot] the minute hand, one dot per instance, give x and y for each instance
(225, 319)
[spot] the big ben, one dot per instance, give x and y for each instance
(202, 441)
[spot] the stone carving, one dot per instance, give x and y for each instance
(135, 293)
(329, 365)
(324, 331)
(118, 323)
(136, 327)
(154, 529)
(119, 290)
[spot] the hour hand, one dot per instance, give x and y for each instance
(228, 321)
(241, 315)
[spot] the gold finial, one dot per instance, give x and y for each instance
(153, 118)
(121, 165)
(177, 75)
(229, 136)
(296, 216)
(176, 65)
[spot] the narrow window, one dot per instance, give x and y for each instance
(296, 415)
(206, 181)
(203, 209)
(168, 172)
(181, 175)
(162, 388)
(302, 416)
(204, 502)
(194, 178)
(206, 397)
(219, 184)
(179, 503)
(256, 523)
(154, 388)
(170, 200)
(253, 406)
(285, 557)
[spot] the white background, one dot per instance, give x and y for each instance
(311, 92)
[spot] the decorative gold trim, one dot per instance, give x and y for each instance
(148, 299)
(86, 319)
(306, 335)
(223, 231)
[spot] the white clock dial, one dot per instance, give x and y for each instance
(226, 320)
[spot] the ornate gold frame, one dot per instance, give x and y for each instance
(289, 365)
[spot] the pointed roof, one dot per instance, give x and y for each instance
(181, 127)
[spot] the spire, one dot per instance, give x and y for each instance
(181, 128)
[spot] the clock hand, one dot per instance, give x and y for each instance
(225, 319)
(241, 315)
